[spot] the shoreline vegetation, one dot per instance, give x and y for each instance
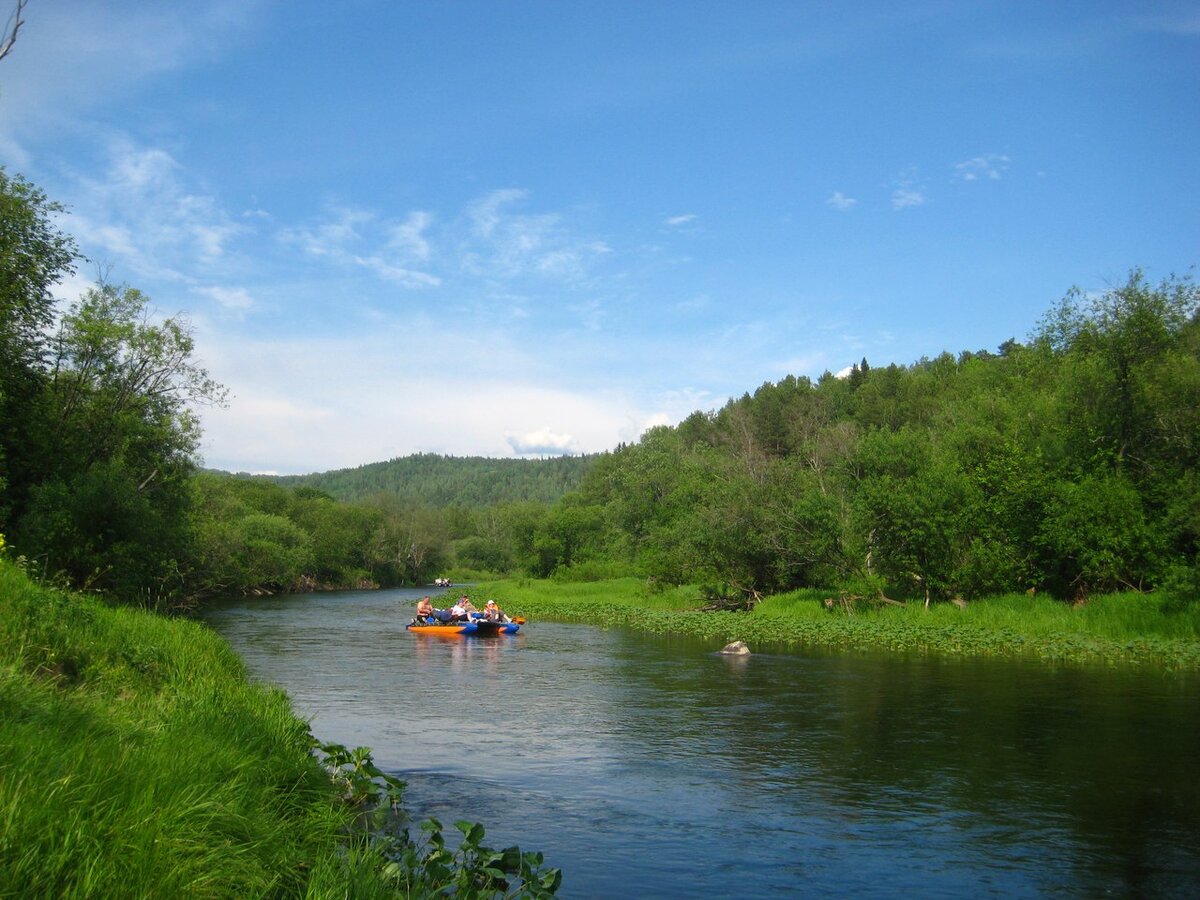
(139, 760)
(1116, 629)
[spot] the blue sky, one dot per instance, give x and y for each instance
(524, 228)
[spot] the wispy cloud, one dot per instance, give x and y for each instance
(902, 198)
(409, 236)
(677, 221)
(331, 237)
(841, 202)
(990, 166)
(907, 192)
(357, 238)
(504, 243)
(233, 299)
(141, 211)
(388, 270)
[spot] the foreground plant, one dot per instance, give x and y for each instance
(428, 866)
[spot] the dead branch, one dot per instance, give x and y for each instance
(9, 37)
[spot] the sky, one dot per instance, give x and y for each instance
(531, 228)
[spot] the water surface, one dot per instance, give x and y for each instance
(649, 766)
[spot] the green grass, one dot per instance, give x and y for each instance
(1119, 629)
(138, 760)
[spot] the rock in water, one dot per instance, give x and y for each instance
(737, 648)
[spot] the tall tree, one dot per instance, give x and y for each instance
(116, 438)
(34, 256)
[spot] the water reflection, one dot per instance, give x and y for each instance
(641, 760)
(465, 654)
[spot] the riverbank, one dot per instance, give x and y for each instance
(140, 761)
(1118, 629)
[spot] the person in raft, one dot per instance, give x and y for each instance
(426, 614)
(469, 608)
(424, 609)
(494, 613)
(458, 612)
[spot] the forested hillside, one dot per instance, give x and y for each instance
(1067, 465)
(428, 479)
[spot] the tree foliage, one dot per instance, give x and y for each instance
(1067, 465)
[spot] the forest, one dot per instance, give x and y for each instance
(1065, 464)
(430, 479)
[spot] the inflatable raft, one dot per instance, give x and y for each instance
(478, 627)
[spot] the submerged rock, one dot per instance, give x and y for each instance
(737, 648)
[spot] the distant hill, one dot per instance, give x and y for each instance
(442, 481)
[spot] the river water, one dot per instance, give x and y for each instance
(649, 766)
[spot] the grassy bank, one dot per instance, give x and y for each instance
(1119, 629)
(137, 760)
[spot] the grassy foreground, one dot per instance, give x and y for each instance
(1119, 629)
(137, 760)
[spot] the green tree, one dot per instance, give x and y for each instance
(116, 432)
(1097, 536)
(34, 256)
(266, 551)
(915, 509)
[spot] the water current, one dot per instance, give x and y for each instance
(649, 766)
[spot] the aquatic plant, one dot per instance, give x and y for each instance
(1113, 630)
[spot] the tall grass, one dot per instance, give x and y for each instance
(138, 761)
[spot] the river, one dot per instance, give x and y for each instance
(649, 766)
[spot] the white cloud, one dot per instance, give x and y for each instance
(990, 166)
(506, 244)
(337, 238)
(409, 236)
(655, 421)
(685, 219)
(232, 299)
(140, 211)
(487, 215)
(389, 271)
(902, 198)
(542, 442)
(331, 237)
(841, 202)
(906, 190)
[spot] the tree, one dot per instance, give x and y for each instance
(1096, 533)
(1125, 353)
(34, 256)
(115, 421)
